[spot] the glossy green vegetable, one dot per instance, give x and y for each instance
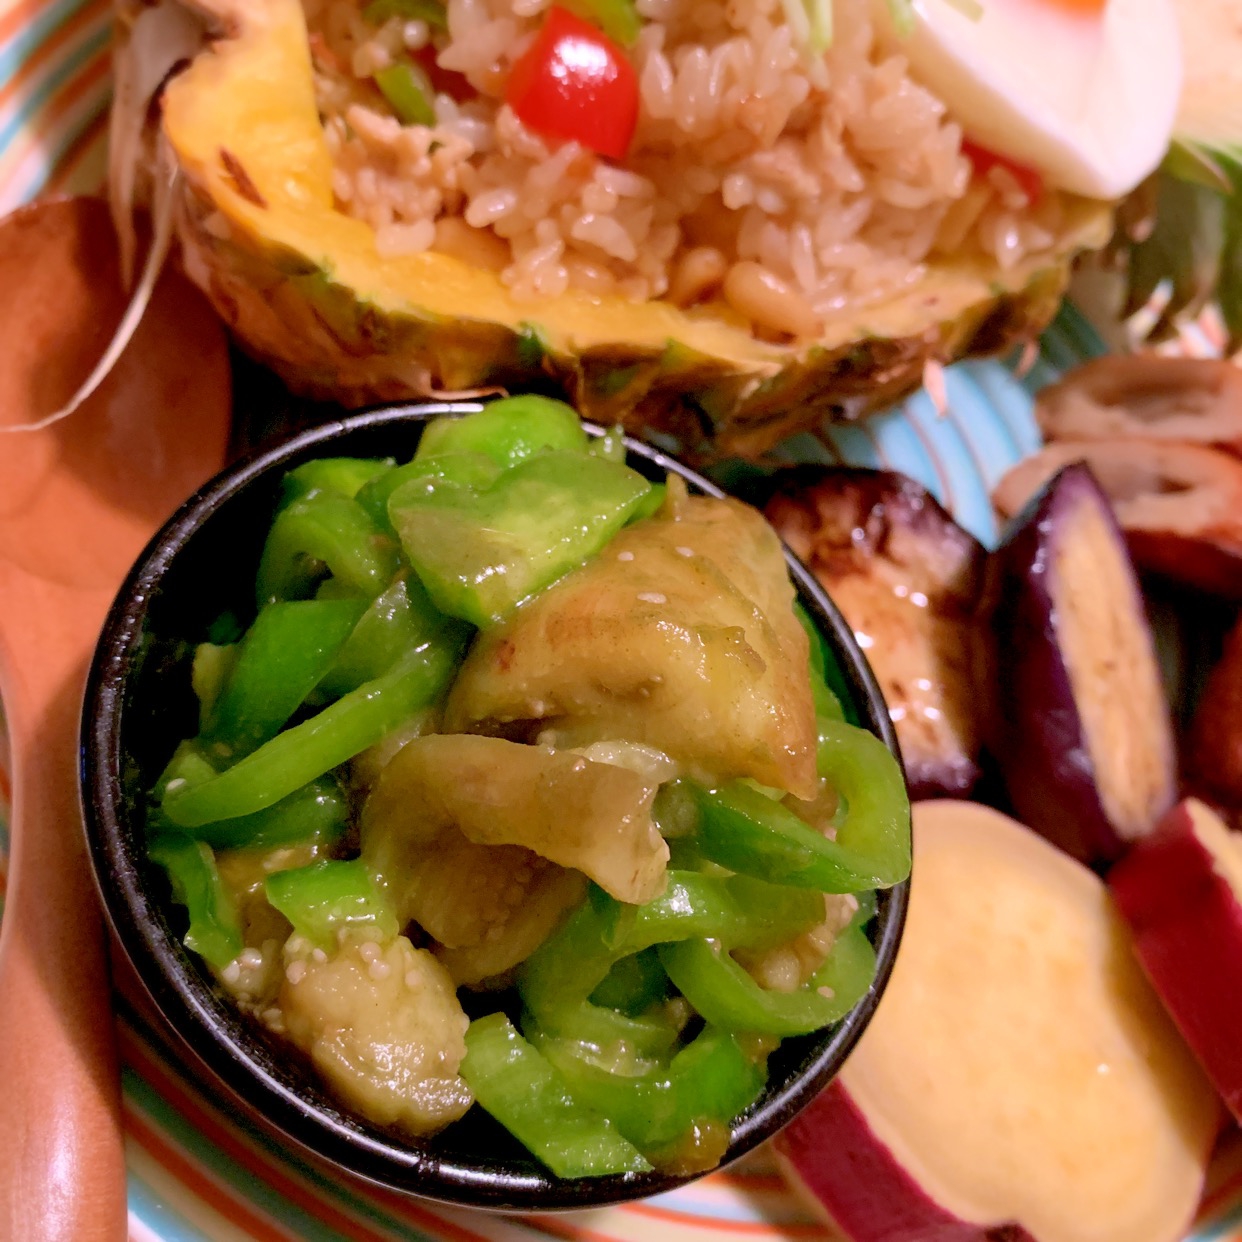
(316, 814)
(709, 1082)
(215, 929)
(399, 620)
(514, 1083)
(508, 432)
(471, 469)
(328, 897)
(726, 995)
(341, 475)
(480, 552)
(308, 750)
(280, 660)
(319, 533)
(556, 980)
(742, 829)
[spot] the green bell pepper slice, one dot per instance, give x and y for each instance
(318, 814)
(280, 660)
(397, 621)
(318, 532)
(508, 431)
(556, 980)
(337, 733)
(743, 830)
(215, 925)
(725, 995)
(828, 686)
(475, 470)
(480, 553)
(517, 1086)
(633, 984)
(711, 1081)
(343, 476)
(409, 92)
(328, 896)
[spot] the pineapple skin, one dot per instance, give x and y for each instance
(303, 291)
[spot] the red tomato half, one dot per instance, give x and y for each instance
(575, 83)
(984, 160)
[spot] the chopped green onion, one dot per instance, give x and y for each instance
(409, 92)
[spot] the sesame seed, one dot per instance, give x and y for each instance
(319, 955)
(368, 952)
(295, 972)
(826, 992)
(232, 972)
(652, 597)
(621, 556)
(252, 959)
(684, 551)
(412, 980)
(379, 970)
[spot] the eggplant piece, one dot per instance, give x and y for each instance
(910, 582)
(1083, 730)
(1146, 397)
(1180, 505)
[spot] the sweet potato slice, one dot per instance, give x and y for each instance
(1019, 1080)
(1180, 505)
(1083, 731)
(909, 581)
(1181, 893)
(1146, 397)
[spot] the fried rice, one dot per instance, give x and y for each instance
(761, 185)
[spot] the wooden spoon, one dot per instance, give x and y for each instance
(77, 503)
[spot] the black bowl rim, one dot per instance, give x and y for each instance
(184, 1000)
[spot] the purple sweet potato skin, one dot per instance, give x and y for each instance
(1039, 738)
(832, 1152)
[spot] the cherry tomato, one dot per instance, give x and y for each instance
(983, 161)
(575, 83)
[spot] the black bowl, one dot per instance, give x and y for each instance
(139, 702)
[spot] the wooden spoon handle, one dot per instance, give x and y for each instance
(62, 1168)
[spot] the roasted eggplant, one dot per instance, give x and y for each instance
(1083, 731)
(910, 583)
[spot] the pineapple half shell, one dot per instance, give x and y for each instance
(303, 289)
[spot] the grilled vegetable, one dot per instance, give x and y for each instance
(1212, 751)
(1019, 1079)
(302, 285)
(1180, 505)
(1083, 732)
(911, 585)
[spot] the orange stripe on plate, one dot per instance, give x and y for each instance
(249, 1155)
(787, 1229)
(194, 1179)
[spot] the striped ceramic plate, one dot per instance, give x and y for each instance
(194, 1174)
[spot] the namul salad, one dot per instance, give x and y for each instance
(523, 784)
